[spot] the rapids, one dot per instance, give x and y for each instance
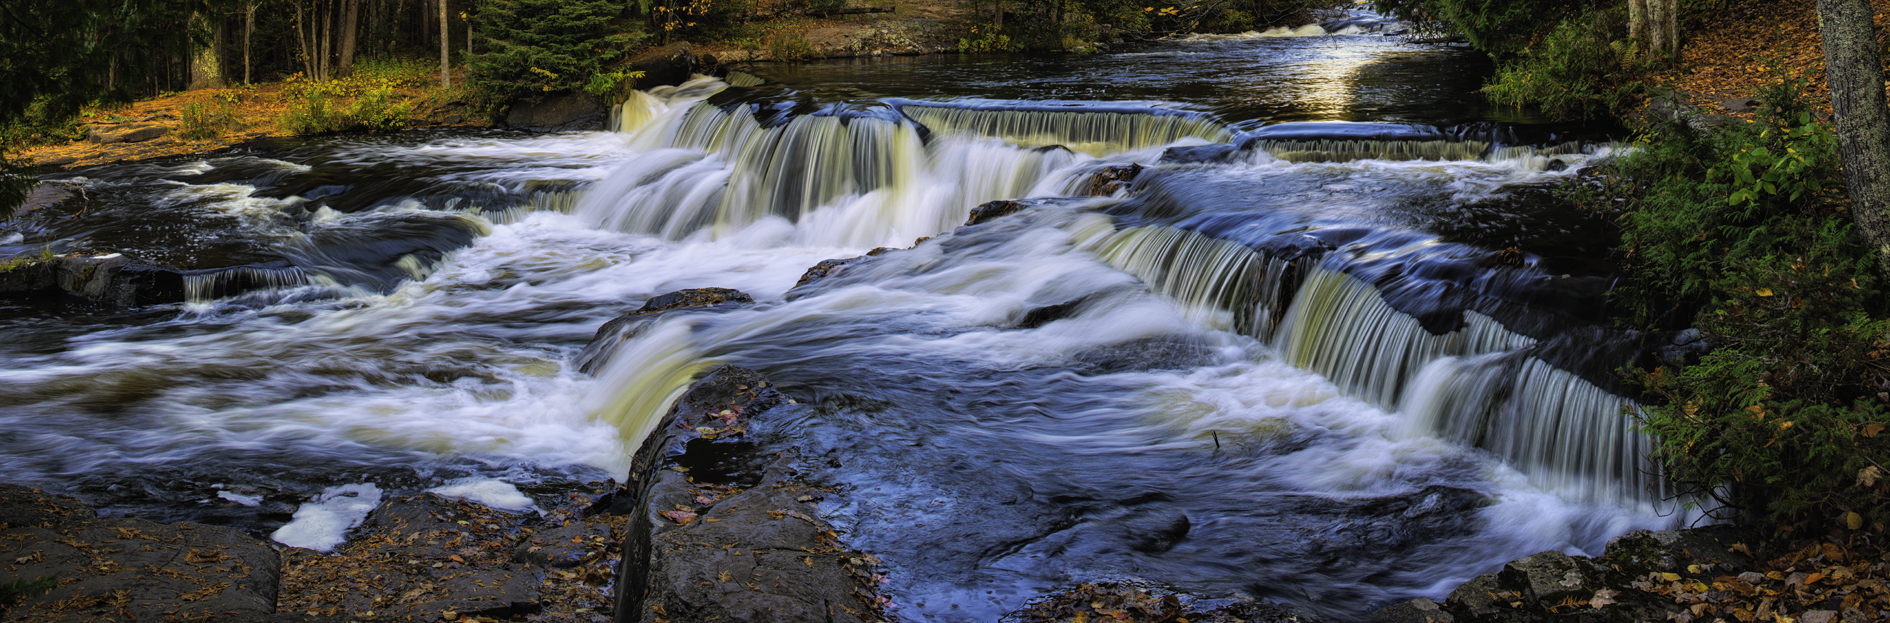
(1329, 336)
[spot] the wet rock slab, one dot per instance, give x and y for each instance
(92, 569)
(738, 537)
(1703, 574)
(416, 558)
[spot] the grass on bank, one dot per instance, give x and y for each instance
(1743, 238)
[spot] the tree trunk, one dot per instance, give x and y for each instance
(1656, 30)
(997, 14)
(1637, 21)
(1855, 73)
(249, 27)
(304, 15)
(446, 74)
(350, 18)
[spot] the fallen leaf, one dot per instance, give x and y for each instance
(681, 517)
(1603, 597)
(1763, 291)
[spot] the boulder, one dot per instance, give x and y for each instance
(571, 112)
(1551, 577)
(726, 529)
(1415, 611)
(130, 568)
(993, 210)
(667, 65)
(1109, 180)
(131, 133)
(613, 333)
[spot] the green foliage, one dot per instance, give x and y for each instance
(375, 111)
(16, 182)
(546, 46)
(61, 54)
(1571, 73)
(613, 86)
(988, 40)
(207, 120)
(1503, 28)
(314, 113)
(789, 45)
(13, 592)
(44, 122)
(1743, 235)
(318, 112)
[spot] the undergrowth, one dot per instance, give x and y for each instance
(1742, 237)
(1574, 72)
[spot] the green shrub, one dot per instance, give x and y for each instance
(789, 46)
(1742, 235)
(13, 592)
(375, 111)
(207, 120)
(313, 113)
(16, 183)
(1572, 73)
(539, 47)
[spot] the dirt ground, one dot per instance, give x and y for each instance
(1744, 47)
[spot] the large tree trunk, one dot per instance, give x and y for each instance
(205, 71)
(350, 17)
(446, 75)
(1855, 74)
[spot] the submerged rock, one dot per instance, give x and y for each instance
(741, 543)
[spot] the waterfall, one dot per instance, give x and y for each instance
(850, 180)
(1341, 328)
(1346, 150)
(1087, 131)
(1219, 283)
(1476, 385)
(644, 376)
(208, 285)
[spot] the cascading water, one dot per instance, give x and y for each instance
(1336, 353)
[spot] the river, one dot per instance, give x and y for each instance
(1331, 340)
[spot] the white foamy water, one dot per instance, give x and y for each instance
(490, 492)
(321, 524)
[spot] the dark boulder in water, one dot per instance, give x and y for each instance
(627, 326)
(993, 210)
(571, 112)
(1109, 180)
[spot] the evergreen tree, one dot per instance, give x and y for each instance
(541, 47)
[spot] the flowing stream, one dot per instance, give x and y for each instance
(1329, 348)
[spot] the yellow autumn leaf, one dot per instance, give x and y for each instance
(1670, 577)
(1763, 291)
(1872, 430)
(1853, 520)
(1785, 424)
